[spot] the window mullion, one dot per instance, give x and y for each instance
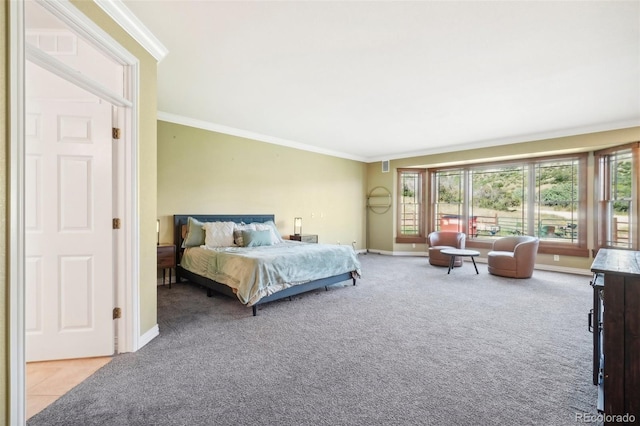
(466, 201)
(531, 188)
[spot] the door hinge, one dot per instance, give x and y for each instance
(116, 223)
(115, 133)
(117, 313)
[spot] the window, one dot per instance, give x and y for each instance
(616, 170)
(557, 201)
(411, 206)
(542, 197)
(497, 201)
(449, 200)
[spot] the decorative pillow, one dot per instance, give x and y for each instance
(270, 226)
(219, 234)
(195, 233)
(256, 238)
(237, 233)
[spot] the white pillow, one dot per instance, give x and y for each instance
(269, 225)
(219, 234)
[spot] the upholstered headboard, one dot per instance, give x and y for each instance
(180, 222)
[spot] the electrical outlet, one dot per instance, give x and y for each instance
(413, 245)
(556, 258)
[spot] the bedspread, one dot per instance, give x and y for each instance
(257, 272)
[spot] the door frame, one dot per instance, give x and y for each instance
(126, 258)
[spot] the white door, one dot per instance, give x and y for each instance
(68, 226)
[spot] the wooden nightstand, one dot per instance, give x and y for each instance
(305, 238)
(166, 259)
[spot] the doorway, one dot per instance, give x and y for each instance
(69, 173)
(125, 294)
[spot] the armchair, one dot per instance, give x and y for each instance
(513, 257)
(440, 240)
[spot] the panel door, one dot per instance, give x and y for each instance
(68, 227)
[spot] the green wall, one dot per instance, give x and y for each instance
(384, 241)
(201, 172)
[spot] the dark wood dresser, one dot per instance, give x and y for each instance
(620, 324)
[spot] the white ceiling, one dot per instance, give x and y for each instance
(380, 80)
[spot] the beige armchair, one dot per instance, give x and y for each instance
(513, 257)
(440, 240)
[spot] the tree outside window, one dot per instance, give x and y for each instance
(498, 202)
(540, 197)
(557, 200)
(411, 206)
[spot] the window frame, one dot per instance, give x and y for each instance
(422, 217)
(577, 248)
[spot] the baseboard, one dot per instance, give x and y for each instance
(148, 336)
(544, 267)
(564, 269)
(171, 279)
(411, 253)
(398, 253)
(541, 267)
(387, 253)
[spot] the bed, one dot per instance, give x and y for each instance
(260, 273)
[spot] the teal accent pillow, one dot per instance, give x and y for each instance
(269, 225)
(195, 233)
(256, 238)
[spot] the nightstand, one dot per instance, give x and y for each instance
(166, 259)
(305, 238)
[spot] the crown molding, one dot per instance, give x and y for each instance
(576, 131)
(219, 128)
(134, 26)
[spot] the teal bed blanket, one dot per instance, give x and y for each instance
(257, 272)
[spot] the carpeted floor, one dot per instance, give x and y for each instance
(409, 345)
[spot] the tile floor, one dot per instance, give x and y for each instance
(49, 380)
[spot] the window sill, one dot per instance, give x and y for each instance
(411, 240)
(563, 250)
(543, 248)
